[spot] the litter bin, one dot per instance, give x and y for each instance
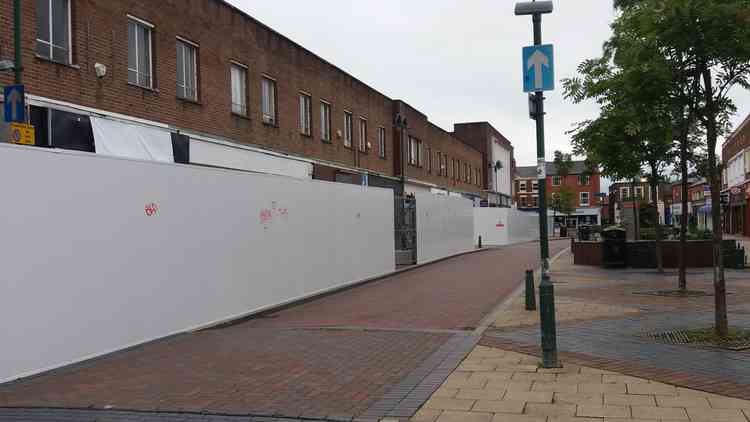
(584, 233)
(614, 249)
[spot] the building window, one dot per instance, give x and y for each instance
(268, 101)
(535, 186)
(639, 192)
(584, 180)
(556, 180)
(305, 114)
(53, 30)
(139, 53)
(523, 202)
(414, 151)
(348, 129)
(325, 121)
(522, 186)
(534, 201)
(362, 134)
(381, 142)
(466, 173)
(428, 155)
(238, 74)
(584, 199)
(624, 194)
(187, 71)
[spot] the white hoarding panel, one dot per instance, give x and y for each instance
(219, 155)
(98, 254)
(445, 226)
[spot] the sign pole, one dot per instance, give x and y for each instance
(538, 58)
(18, 65)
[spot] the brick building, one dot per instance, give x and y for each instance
(585, 187)
(699, 203)
(211, 74)
(735, 155)
(626, 196)
(497, 154)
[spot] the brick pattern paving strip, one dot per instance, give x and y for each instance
(499, 385)
(377, 350)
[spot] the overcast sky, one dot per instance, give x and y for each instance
(454, 60)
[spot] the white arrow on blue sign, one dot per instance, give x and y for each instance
(538, 68)
(15, 104)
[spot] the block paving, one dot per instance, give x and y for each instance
(494, 385)
(376, 350)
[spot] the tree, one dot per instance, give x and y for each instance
(697, 50)
(563, 166)
(717, 52)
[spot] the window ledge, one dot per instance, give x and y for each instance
(306, 135)
(145, 88)
(382, 157)
(326, 141)
(348, 146)
(48, 60)
(240, 116)
(271, 124)
(189, 101)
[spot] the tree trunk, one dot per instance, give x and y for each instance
(657, 227)
(720, 293)
(636, 231)
(683, 215)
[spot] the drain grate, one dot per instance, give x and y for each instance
(674, 293)
(688, 338)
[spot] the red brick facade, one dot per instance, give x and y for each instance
(223, 35)
(573, 182)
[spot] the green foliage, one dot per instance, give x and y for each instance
(562, 202)
(563, 164)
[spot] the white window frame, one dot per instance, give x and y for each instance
(150, 45)
(195, 48)
(362, 133)
(243, 107)
(70, 35)
(523, 202)
(305, 113)
(638, 193)
(556, 180)
(381, 142)
(586, 178)
(269, 117)
(325, 121)
(624, 193)
(522, 186)
(414, 153)
(588, 199)
(348, 128)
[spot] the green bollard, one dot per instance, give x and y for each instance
(530, 293)
(548, 325)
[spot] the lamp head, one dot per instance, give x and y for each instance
(533, 7)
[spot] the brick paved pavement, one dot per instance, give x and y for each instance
(613, 338)
(377, 349)
(497, 385)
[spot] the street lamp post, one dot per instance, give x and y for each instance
(546, 290)
(18, 65)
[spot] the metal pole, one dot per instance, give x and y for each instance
(546, 289)
(18, 65)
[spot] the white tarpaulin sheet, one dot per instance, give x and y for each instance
(212, 154)
(131, 141)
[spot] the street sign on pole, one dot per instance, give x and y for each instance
(15, 104)
(538, 68)
(21, 133)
